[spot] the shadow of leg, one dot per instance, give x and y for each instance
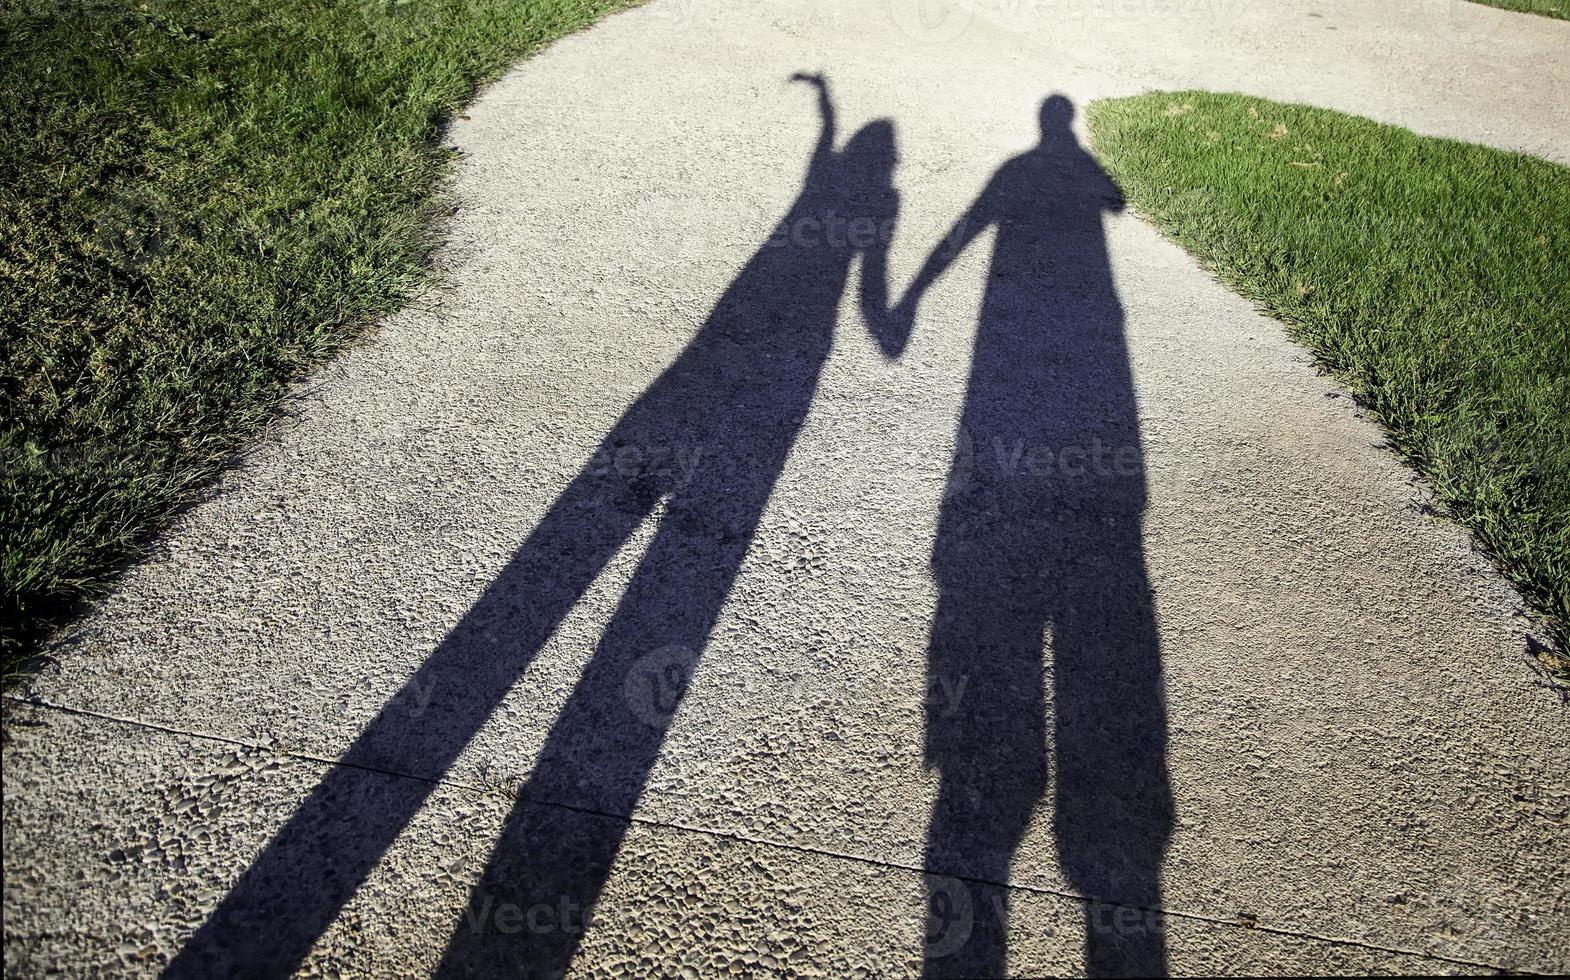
(985, 733)
(529, 911)
(601, 749)
(967, 919)
(1113, 803)
(276, 911)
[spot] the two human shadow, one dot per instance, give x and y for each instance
(1039, 533)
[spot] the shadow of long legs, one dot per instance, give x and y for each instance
(1112, 806)
(292, 891)
(604, 744)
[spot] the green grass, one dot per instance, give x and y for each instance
(199, 200)
(1430, 276)
(1548, 8)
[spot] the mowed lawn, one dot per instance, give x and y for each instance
(199, 200)
(1431, 276)
(1548, 8)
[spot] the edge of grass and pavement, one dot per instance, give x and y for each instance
(202, 199)
(1427, 274)
(1546, 8)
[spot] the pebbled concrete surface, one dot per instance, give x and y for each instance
(682, 901)
(1331, 689)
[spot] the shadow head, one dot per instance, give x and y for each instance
(1057, 117)
(869, 156)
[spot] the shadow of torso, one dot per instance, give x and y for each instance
(1049, 405)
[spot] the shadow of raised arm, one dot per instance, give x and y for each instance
(825, 111)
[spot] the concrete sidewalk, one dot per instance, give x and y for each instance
(1331, 730)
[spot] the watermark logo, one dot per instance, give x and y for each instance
(670, 466)
(130, 232)
(833, 229)
(1002, 458)
(382, 13)
(944, 694)
(932, 21)
(964, 465)
(1123, 921)
(656, 683)
(98, 11)
(412, 699)
(1020, 15)
(951, 915)
(1466, 20)
(675, 13)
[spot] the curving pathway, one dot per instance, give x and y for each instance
(661, 594)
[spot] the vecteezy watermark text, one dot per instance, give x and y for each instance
(673, 465)
(539, 919)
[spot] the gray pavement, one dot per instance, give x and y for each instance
(651, 598)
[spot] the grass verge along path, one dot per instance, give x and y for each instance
(1429, 275)
(1548, 8)
(199, 200)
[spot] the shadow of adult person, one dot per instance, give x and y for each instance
(709, 437)
(1040, 536)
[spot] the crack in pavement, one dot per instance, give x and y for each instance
(277, 750)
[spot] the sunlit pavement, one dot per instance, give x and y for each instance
(1282, 720)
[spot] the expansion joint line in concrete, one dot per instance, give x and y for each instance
(782, 845)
